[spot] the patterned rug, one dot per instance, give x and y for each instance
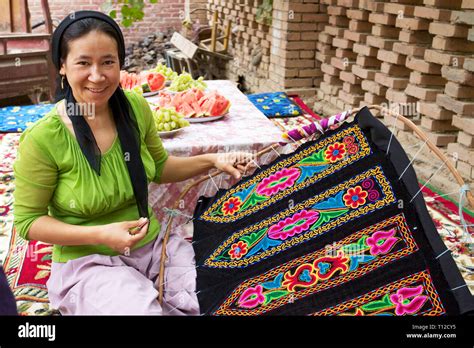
(17, 118)
(27, 265)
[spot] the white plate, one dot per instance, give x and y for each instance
(150, 94)
(204, 119)
(165, 134)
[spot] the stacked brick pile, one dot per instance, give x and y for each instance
(338, 58)
(436, 119)
(458, 95)
(414, 56)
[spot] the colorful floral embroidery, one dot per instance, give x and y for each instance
(278, 181)
(306, 220)
(231, 206)
(412, 295)
(251, 297)
(303, 277)
(293, 225)
(238, 250)
(289, 175)
(335, 152)
(381, 241)
(355, 197)
(348, 259)
(351, 145)
(408, 300)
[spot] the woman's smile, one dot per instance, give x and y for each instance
(95, 90)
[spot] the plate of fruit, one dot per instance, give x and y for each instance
(147, 83)
(195, 104)
(168, 121)
(184, 82)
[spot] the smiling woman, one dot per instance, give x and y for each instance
(82, 176)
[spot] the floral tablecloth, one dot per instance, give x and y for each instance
(245, 128)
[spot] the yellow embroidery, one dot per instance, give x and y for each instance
(375, 172)
(398, 220)
(290, 161)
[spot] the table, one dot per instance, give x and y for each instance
(244, 129)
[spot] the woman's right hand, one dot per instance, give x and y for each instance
(122, 236)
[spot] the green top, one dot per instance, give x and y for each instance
(53, 177)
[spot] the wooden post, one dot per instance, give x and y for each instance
(214, 31)
(227, 34)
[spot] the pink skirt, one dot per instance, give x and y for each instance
(125, 285)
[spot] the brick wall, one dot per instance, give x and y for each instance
(279, 56)
(158, 17)
(413, 56)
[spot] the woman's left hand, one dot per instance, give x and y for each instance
(235, 163)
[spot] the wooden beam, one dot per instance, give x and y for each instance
(5, 17)
(227, 34)
(215, 18)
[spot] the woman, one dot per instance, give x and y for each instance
(82, 175)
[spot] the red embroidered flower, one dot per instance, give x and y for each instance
(335, 152)
(304, 276)
(327, 266)
(238, 250)
(351, 146)
(231, 206)
(355, 197)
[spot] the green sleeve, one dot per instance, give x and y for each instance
(35, 181)
(152, 140)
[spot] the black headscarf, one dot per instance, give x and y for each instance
(127, 128)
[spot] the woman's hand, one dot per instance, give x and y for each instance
(235, 163)
(122, 236)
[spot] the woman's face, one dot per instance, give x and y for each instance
(92, 68)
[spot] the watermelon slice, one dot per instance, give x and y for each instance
(195, 103)
(156, 81)
(148, 81)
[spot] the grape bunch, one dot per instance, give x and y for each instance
(168, 119)
(185, 81)
(164, 70)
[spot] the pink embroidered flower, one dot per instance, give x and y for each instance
(231, 206)
(403, 303)
(295, 224)
(251, 297)
(381, 241)
(304, 276)
(355, 197)
(238, 250)
(278, 181)
(335, 152)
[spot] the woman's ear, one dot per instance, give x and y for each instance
(62, 70)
